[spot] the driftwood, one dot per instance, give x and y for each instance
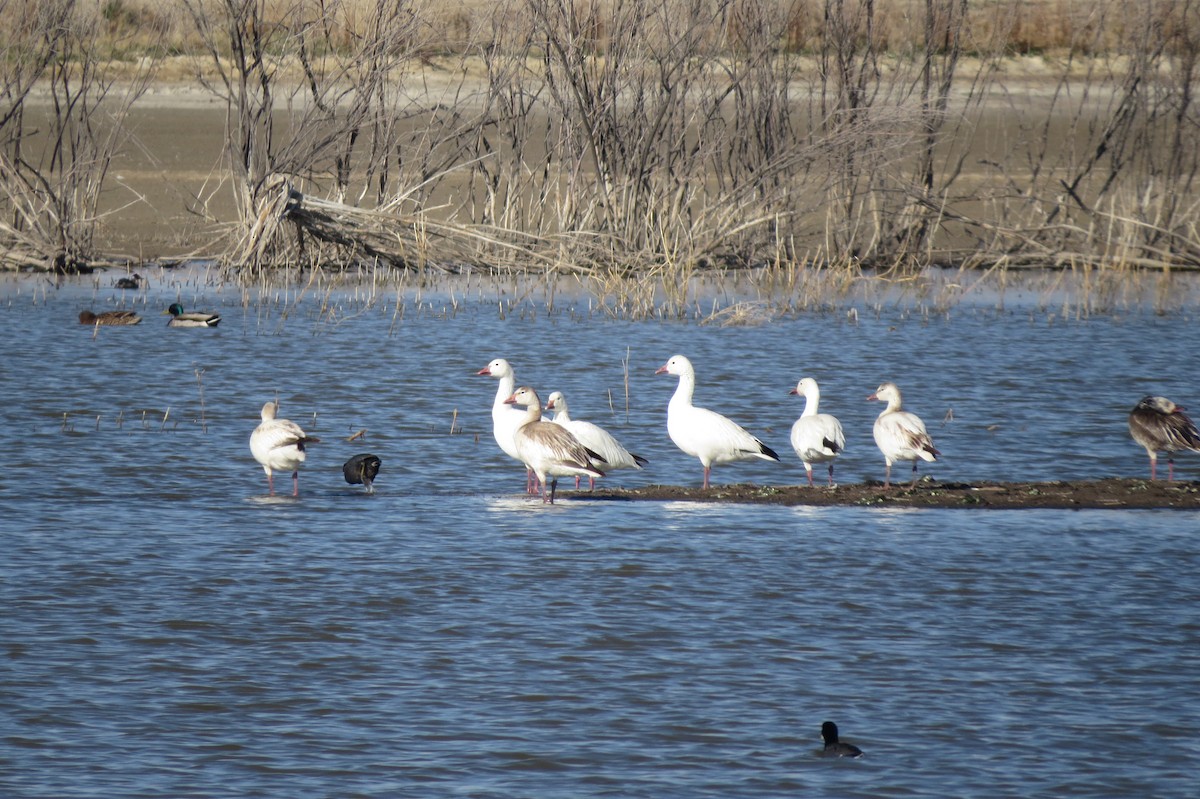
(402, 240)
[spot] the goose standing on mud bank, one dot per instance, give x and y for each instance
(702, 433)
(505, 418)
(900, 435)
(1160, 425)
(816, 437)
(593, 437)
(180, 318)
(279, 444)
(550, 450)
(114, 318)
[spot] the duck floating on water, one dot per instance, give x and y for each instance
(834, 747)
(180, 318)
(114, 318)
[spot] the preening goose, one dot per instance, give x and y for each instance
(109, 318)
(505, 418)
(362, 469)
(900, 435)
(550, 449)
(1160, 425)
(180, 318)
(834, 747)
(816, 437)
(702, 433)
(279, 444)
(593, 437)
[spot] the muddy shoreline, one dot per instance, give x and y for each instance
(1109, 493)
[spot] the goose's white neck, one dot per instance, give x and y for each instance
(533, 413)
(685, 389)
(811, 400)
(505, 390)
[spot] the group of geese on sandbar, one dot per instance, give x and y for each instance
(565, 447)
(551, 448)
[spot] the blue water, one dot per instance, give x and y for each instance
(169, 630)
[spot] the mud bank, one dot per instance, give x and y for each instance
(1098, 494)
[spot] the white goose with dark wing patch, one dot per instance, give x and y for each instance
(279, 445)
(900, 435)
(816, 437)
(1160, 425)
(550, 450)
(593, 437)
(702, 433)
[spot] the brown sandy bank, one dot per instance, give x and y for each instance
(1107, 493)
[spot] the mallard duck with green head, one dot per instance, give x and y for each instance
(180, 318)
(109, 318)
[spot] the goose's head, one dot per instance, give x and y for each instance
(526, 397)
(1160, 404)
(887, 392)
(556, 402)
(678, 365)
(497, 368)
(805, 388)
(269, 410)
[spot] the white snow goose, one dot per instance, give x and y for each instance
(593, 437)
(900, 435)
(547, 448)
(1160, 425)
(816, 437)
(279, 444)
(702, 433)
(505, 418)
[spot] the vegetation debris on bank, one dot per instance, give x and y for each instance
(1108, 493)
